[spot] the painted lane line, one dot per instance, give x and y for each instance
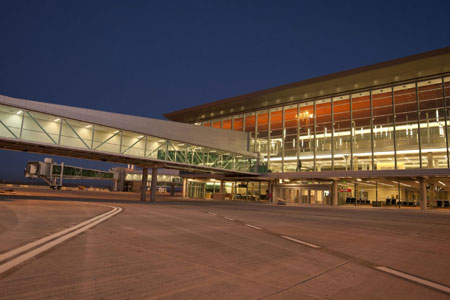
(300, 242)
(26, 256)
(211, 213)
(43, 240)
(254, 227)
(229, 219)
(421, 281)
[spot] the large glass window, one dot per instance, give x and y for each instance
(432, 124)
(324, 132)
(306, 136)
(342, 130)
(262, 133)
(290, 139)
(276, 139)
(406, 133)
(238, 123)
(383, 129)
(361, 132)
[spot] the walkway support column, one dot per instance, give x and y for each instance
(144, 184)
(184, 191)
(423, 194)
(334, 193)
(153, 186)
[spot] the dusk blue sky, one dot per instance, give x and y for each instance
(147, 58)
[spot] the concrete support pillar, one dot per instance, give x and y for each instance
(184, 191)
(334, 193)
(153, 187)
(144, 184)
(432, 199)
(222, 187)
(423, 194)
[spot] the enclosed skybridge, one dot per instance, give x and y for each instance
(91, 134)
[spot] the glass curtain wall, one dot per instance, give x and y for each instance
(290, 134)
(342, 131)
(396, 127)
(276, 140)
(383, 129)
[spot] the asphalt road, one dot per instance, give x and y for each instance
(223, 250)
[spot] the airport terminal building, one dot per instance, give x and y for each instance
(379, 132)
(375, 135)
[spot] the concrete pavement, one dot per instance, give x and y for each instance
(206, 250)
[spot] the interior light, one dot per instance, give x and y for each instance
(89, 126)
(441, 183)
(56, 120)
(19, 112)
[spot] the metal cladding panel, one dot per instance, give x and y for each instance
(226, 140)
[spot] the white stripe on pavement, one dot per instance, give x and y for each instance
(425, 282)
(90, 223)
(254, 227)
(211, 213)
(300, 242)
(43, 240)
(229, 219)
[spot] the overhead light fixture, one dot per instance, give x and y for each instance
(89, 126)
(56, 120)
(441, 183)
(19, 112)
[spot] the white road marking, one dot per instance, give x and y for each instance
(253, 226)
(425, 282)
(70, 232)
(43, 240)
(300, 242)
(229, 219)
(211, 213)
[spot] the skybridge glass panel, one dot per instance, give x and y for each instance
(11, 121)
(48, 130)
(238, 123)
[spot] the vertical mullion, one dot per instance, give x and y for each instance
(120, 143)
(269, 133)
(21, 124)
(351, 132)
(394, 129)
(145, 146)
(418, 126)
(93, 135)
(283, 139)
(60, 131)
(446, 124)
(297, 148)
(332, 133)
(371, 129)
(314, 132)
(256, 132)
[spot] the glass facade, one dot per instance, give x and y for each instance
(401, 126)
(36, 127)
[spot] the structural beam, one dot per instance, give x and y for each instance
(144, 184)
(153, 186)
